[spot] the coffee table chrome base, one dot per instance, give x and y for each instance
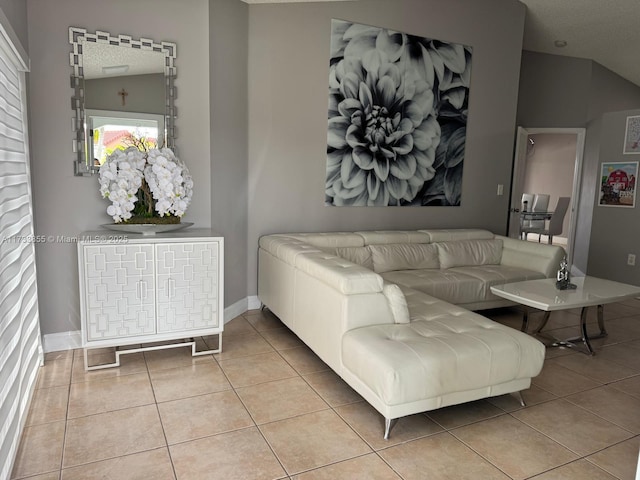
(584, 337)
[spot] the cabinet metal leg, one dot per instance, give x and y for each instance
(118, 353)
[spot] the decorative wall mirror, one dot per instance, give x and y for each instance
(121, 87)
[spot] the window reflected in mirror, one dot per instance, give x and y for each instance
(110, 131)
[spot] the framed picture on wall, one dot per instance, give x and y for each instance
(618, 184)
(632, 135)
(397, 118)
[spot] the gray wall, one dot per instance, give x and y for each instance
(65, 204)
(229, 26)
(615, 231)
(146, 93)
(288, 94)
(610, 93)
(573, 93)
(16, 13)
(554, 91)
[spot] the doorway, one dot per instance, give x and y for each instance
(548, 161)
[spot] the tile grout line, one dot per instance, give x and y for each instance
(603, 449)
(450, 432)
(255, 425)
(604, 469)
(299, 375)
(164, 433)
(333, 408)
(66, 417)
(329, 407)
(633, 433)
(579, 455)
(289, 474)
(110, 411)
(480, 454)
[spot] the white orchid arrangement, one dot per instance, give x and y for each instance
(142, 184)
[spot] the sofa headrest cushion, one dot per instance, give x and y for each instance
(403, 256)
(385, 237)
(464, 253)
(454, 234)
(358, 255)
(340, 274)
(330, 239)
(397, 303)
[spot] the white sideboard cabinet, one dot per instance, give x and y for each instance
(140, 289)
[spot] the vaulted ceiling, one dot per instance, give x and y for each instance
(607, 32)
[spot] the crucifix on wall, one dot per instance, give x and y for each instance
(123, 93)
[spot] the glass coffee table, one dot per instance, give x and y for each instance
(589, 292)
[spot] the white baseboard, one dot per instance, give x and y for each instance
(55, 342)
(241, 306)
(254, 302)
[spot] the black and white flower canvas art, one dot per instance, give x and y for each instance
(398, 107)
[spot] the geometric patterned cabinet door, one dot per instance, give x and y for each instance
(137, 289)
(187, 284)
(119, 291)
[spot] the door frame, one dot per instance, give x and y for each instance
(518, 173)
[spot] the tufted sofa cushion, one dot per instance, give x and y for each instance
(438, 356)
(456, 234)
(341, 274)
(330, 239)
(448, 285)
(358, 255)
(384, 237)
(286, 248)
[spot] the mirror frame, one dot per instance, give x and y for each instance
(77, 38)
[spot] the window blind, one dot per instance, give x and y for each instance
(20, 343)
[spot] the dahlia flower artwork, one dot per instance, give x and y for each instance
(398, 108)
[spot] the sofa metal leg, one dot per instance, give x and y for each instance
(518, 395)
(389, 423)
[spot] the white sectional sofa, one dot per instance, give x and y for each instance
(390, 312)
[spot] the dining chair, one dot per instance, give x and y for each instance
(540, 204)
(555, 221)
(526, 204)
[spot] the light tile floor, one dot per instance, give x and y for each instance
(268, 408)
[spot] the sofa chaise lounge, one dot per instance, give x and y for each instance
(391, 312)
